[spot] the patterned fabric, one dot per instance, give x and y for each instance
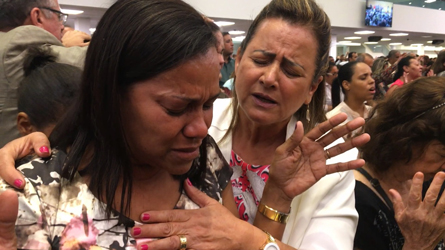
(57, 214)
(248, 183)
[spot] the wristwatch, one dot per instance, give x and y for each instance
(270, 243)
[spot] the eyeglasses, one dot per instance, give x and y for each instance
(62, 16)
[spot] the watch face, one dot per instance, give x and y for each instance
(271, 246)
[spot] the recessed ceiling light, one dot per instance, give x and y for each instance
(385, 39)
(429, 42)
(224, 23)
(395, 44)
(353, 37)
(416, 44)
(364, 32)
(344, 42)
(430, 1)
(349, 44)
(399, 34)
(371, 42)
(238, 38)
(71, 12)
(409, 3)
(426, 36)
(236, 32)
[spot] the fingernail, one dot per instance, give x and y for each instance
(136, 231)
(145, 217)
(144, 247)
(189, 182)
(44, 149)
(18, 183)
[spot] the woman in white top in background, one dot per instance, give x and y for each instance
(358, 86)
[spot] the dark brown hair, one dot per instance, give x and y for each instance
(409, 120)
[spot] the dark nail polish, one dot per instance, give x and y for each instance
(44, 149)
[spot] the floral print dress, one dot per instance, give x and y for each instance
(55, 213)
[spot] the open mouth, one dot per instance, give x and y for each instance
(264, 98)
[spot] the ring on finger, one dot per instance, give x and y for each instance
(328, 156)
(183, 242)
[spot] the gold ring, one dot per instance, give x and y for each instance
(183, 242)
(328, 156)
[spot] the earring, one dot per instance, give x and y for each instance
(308, 114)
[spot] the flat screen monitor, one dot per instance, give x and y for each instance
(378, 13)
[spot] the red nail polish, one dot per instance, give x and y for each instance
(18, 183)
(136, 231)
(44, 149)
(188, 182)
(145, 217)
(144, 247)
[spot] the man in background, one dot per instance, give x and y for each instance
(229, 62)
(24, 23)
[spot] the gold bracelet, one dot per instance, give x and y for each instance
(273, 214)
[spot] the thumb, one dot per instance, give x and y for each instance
(197, 196)
(294, 141)
(8, 216)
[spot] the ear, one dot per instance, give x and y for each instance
(312, 90)
(238, 57)
(24, 125)
(345, 84)
(405, 68)
(36, 16)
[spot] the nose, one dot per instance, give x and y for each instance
(197, 126)
(270, 76)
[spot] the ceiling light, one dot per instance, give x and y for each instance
(429, 42)
(371, 42)
(430, 1)
(344, 42)
(416, 44)
(236, 32)
(426, 36)
(238, 38)
(224, 23)
(385, 39)
(353, 37)
(409, 3)
(349, 44)
(395, 44)
(71, 12)
(364, 32)
(399, 34)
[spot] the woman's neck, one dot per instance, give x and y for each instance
(392, 178)
(256, 143)
(356, 105)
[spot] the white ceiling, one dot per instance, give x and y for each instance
(414, 38)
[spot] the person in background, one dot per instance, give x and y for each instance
(357, 84)
(24, 23)
(275, 88)
(366, 58)
(331, 74)
(331, 59)
(46, 92)
(408, 70)
(161, 170)
(229, 62)
(407, 147)
(383, 72)
(352, 57)
(439, 65)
